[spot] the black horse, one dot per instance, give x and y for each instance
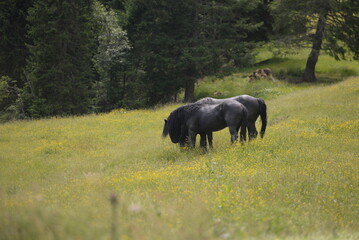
(255, 107)
(201, 118)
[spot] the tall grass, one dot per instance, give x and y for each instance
(299, 182)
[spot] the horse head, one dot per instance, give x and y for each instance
(165, 129)
(172, 125)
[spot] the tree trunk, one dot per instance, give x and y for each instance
(309, 72)
(189, 91)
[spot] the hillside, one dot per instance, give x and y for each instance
(287, 70)
(299, 182)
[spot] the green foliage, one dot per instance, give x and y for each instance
(295, 22)
(79, 60)
(11, 102)
(14, 38)
(323, 24)
(60, 63)
(177, 42)
(77, 57)
(343, 40)
(114, 4)
(158, 30)
(110, 60)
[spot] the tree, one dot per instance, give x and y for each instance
(320, 23)
(177, 42)
(343, 30)
(60, 63)
(110, 60)
(224, 33)
(156, 32)
(13, 39)
(11, 105)
(114, 4)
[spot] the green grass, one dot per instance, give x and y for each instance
(286, 70)
(299, 182)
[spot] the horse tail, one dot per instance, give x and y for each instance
(263, 114)
(243, 125)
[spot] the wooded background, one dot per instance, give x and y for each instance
(75, 57)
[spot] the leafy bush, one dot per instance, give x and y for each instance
(11, 104)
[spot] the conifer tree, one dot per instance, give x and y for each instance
(13, 38)
(178, 42)
(60, 64)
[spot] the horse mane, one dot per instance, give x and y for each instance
(191, 108)
(177, 118)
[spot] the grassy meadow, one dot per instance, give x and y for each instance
(300, 182)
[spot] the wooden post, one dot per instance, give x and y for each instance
(114, 223)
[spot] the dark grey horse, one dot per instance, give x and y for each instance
(255, 107)
(201, 118)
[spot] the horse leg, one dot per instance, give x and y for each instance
(210, 139)
(243, 134)
(234, 133)
(203, 141)
(192, 137)
(184, 136)
(252, 131)
(243, 126)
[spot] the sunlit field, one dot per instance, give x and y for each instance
(300, 182)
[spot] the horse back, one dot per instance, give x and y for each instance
(232, 111)
(251, 104)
